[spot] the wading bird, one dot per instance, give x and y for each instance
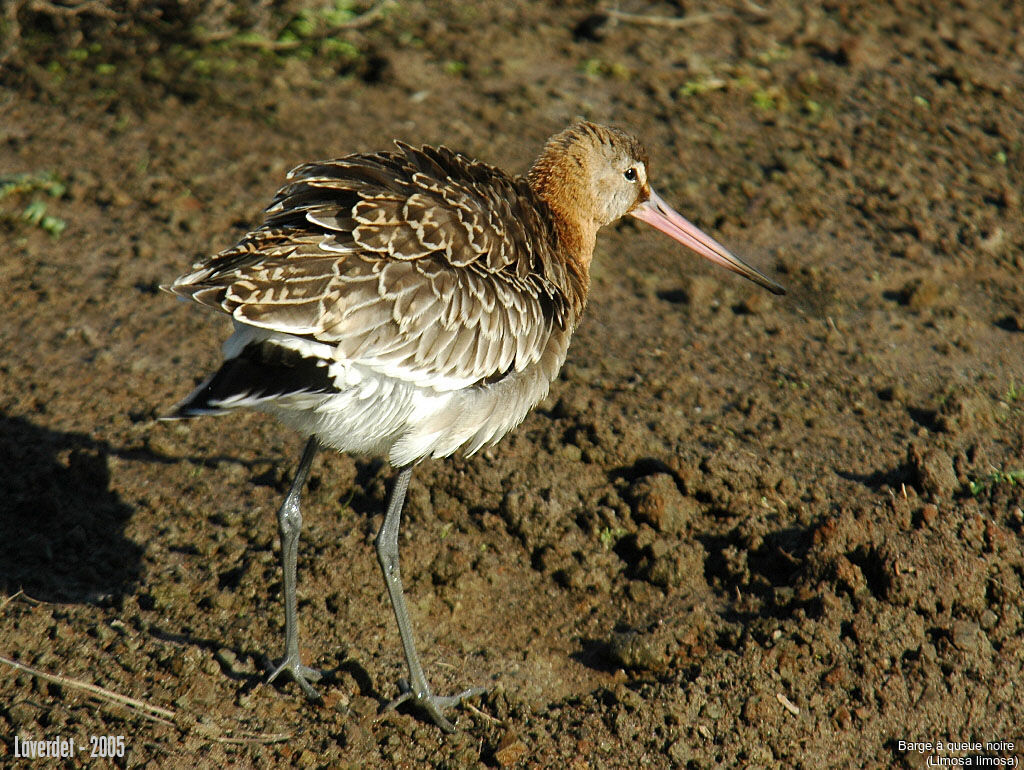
(410, 303)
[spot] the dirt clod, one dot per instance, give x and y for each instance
(635, 650)
(510, 750)
(932, 470)
(657, 501)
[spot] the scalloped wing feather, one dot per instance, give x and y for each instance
(420, 264)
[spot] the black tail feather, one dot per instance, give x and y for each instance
(263, 371)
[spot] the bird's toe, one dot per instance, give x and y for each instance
(433, 705)
(302, 675)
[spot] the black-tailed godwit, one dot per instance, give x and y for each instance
(411, 303)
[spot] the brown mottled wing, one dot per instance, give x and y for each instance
(419, 264)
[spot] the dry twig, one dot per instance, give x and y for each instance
(787, 704)
(478, 712)
(752, 10)
(672, 22)
(73, 8)
(146, 710)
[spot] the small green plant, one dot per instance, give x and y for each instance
(30, 185)
(609, 536)
(1014, 393)
(774, 54)
(764, 100)
(30, 182)
(702, 86)
(599, 68)
(308, 23)
(35, 214)
(312, 31)
(692, 88)
(996, 477)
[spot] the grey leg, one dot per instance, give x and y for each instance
(387, 554)
(289, 519)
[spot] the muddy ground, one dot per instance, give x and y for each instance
(743, 531)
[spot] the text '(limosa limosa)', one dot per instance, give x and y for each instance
(411, 303)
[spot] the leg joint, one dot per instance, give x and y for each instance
(289, 518)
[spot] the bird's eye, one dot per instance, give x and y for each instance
(630, 174)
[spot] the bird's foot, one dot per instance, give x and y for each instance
(302, 675)
(432, 704)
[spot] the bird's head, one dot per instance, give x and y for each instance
(594, 174)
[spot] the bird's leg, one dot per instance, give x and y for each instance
(289, 519)
(417, 689)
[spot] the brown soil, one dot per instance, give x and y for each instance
(742, 531)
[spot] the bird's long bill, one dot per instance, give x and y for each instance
(654, 211)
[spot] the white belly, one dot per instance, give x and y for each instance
(406, 423)
(376, 413)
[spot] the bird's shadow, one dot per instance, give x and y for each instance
(61, 526)
(62, 535)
